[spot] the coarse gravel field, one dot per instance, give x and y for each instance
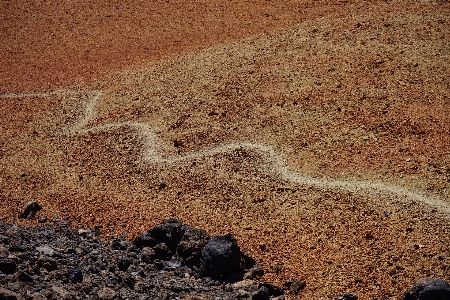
(316, 132)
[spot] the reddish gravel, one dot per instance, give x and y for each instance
(355, 92)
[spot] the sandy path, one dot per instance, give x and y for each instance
(272, 161)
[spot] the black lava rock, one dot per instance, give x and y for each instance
(261, 294)
(272, 289)
(347, 296)
(169, 233)
(76, 276)
(7, 294)
(428, 289)
(192, 244)
(57, 262)
(162, 251)
(294, 286)
(31, 208)
(7, 266)
(221, 254)
(123, 263)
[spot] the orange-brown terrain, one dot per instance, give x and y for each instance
(317, 132)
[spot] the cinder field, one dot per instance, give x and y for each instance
(316, 132)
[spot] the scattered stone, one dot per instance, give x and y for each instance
(294, 286)
(347, 296)
(192, 244)
(273, 290)
(7, 294)
(123, 263)
(45, 250)
(31, 208)
(162, 251)
(59, 263)
(47, 264)
(221, 254)
(106, 294)
(7, 266)
(148, 255)
(76, 276)
(255, 272)
(261, 294)
(428, 289)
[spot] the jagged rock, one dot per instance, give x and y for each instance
(261, 294)
(47, 263)
(169, 233)
(294, 286)
(123, 263)
(221, 254)
(273, 290)
(86, 265)
(106, 294)
(7, 266)
(162, 251)
(428, 289)
(192, 244)
(45, 250)
(255, 272)
(7, 294)
(347, 296)
(147, 255)
(30, 210)
(76, 276)
(119, 244)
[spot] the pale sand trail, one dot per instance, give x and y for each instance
(272, 161)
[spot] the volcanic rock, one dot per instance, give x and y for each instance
(347, 296)
(169, 233)
(192, 244)
(7, 266)
(31, 208)
(221, 254)
(428, 289)
(7, 294)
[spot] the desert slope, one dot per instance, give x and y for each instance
(323, 146)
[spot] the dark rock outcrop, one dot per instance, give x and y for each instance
(57, 262)
(221, 255)
(347, 296)
(169, 233)
(428, 289)
(192, 244)
(30, 210)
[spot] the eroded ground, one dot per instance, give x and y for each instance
(323, 146)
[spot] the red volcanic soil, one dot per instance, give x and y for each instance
(46, 44)
(317, 132)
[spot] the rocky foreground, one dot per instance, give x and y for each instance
(170, 261)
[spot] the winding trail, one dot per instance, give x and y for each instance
(271, 161)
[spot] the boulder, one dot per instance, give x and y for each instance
(192, 244)
(347, 296)
(7, 266)
(76, 276)
(30, 210)
(261, 294)
(7, 294)
(221, 254)
(428, 289)
(169, 233)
